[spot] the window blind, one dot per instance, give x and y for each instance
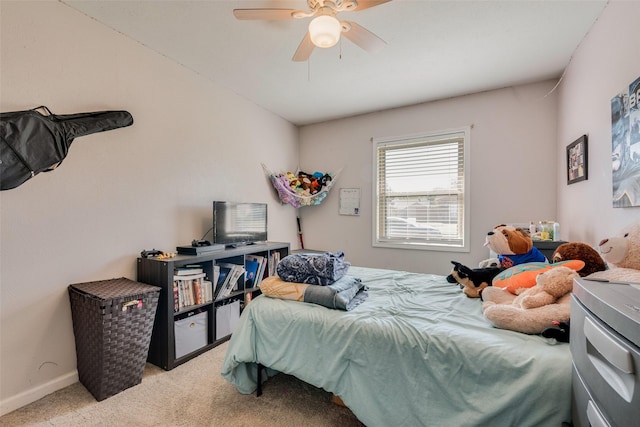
(420, 190)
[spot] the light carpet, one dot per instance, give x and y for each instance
(193, 394)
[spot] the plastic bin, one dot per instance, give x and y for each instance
(191, 332)
(227, 316)
(112, 324)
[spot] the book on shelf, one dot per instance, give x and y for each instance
(188, 270)
(216, 274)
(223, 279)
(188, 276)
(207, 290)
(263, 264)
(263, 268)
(274, 259)
(191, 290)
(176, 296)
(183, 299)
(234, 273)
(196, 292)
(188, 287)
(252, 269)
(237, 273)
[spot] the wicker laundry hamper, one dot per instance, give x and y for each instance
(112, 324)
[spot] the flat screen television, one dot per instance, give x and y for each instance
(236, 223)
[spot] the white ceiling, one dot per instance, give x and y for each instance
(435, 49)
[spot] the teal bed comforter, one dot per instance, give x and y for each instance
(417, 352)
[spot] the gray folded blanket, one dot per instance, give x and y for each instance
(345, 294)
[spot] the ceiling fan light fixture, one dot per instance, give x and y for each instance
(325, 31)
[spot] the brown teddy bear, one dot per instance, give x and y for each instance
(577, 250)
(534, 309)
(512, 245)
(622, 253)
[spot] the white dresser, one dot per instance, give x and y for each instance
(605, 346)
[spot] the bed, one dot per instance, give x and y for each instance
(416, 352)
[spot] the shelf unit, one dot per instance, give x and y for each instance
(160, 272)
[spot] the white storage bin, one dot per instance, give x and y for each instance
(226, 319)
(191, 333)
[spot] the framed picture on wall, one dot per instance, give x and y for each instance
(577, 160)
(625, 146)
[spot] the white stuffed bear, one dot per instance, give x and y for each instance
(622, 253)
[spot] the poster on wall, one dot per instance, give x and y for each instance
(625, 146)
(349, 201)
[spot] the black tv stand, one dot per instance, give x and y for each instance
(211, 319)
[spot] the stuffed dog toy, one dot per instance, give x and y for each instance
(512, 245)
(472, 281)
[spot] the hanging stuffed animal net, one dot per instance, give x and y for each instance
(301, 188)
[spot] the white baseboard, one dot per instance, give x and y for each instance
(29, 396)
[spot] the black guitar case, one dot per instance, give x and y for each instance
(31, 142)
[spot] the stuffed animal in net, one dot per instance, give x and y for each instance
(622, 253)
(581, 251)
(534, 309)
(512, 245)
(472, 281)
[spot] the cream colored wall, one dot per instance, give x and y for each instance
(513, 177)
(147, 186)
(605, 63)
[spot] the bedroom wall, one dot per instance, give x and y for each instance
(150, 185)
(513, 142)
(604, 64)
(146, 186)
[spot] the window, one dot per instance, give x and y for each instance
(420, 185)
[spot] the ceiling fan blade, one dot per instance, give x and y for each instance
(362, 37)
(265, 14)
(366, 4)
(304, 49)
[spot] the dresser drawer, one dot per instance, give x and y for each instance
(584, 409)
(607, 366)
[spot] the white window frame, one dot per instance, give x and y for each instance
(460, 244)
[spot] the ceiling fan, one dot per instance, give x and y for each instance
(325, 29)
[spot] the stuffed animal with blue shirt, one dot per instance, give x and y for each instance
(512, 245)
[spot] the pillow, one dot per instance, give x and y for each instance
(275, 287)
(524, 275)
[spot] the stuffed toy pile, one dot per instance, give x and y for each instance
(622, 253)
(534, 309)
(510, 304)
(512, 245)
